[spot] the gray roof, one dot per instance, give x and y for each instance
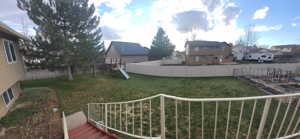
(6, 29)
(210, 44)
(130, 49)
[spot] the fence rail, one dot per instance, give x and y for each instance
(165, 116)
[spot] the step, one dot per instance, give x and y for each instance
(88, 131)
(77, 129)
(87, 135)
(83, 130)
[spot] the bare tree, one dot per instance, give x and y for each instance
(250, 38)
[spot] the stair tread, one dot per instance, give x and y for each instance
(88, 131)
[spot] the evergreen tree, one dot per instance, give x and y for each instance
(68, 34)
(161, 45)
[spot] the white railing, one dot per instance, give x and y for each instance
(164, 116)
(65, 128)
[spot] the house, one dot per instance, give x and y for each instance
(286, 48)
(11, 67)
(207, 52)
(287, 53)
(240, 52)
(125, 52)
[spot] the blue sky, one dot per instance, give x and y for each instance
(276, 21)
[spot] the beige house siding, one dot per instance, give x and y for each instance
(208, 55)
(10, 73)
(16, 92)
(112, 56)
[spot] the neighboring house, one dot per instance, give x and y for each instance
(207, 52)
(126, 52)
(286, 48)
(11, 67)
(287, 53)
(240, 52)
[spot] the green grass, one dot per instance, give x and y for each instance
(31, 99)
(75, 95)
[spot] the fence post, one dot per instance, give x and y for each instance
(88, 111)
(106, 117)
(162, 117)
(263, 118)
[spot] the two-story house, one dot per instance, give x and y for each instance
(11, 67)
(207, 52)
(125, 52)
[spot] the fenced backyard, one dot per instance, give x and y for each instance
(202, 114)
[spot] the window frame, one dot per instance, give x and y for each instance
(11, 50)
(10, 100)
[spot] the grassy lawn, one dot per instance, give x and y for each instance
(75, 95)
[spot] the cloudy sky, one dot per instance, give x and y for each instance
(276, 21)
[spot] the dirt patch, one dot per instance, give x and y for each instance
(45, 124)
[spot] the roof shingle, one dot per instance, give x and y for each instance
(129, 48)
(210, 44)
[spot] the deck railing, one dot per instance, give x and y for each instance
(164, 116)
(65, 127)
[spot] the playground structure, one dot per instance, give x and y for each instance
(117, 64)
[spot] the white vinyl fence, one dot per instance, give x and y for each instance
(170, 117)
(42, 74)
(154, 69)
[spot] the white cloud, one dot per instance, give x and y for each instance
(139, 12)
(294, 24)
(267, 28)
(219, 23)
(261, 13)
(213, 20)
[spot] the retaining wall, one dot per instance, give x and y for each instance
(153, 68)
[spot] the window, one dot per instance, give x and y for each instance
(197, 58)
(8, 96)
(10, 51)
(196, 49)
